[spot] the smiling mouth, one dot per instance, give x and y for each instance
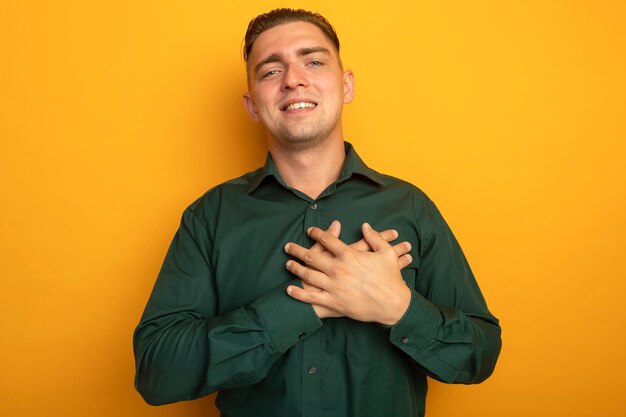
(300, 105)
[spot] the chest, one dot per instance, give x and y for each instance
(249, 258)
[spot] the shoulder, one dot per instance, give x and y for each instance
(406, 189)
(212, 199)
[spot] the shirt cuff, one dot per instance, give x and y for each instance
(419, 325)
(287, 320)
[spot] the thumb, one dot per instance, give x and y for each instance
(334, 229)
(373, 238)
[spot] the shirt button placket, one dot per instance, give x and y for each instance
(311, 376)
(312, 216)
(311, 345)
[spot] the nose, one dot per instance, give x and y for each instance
(294, 77)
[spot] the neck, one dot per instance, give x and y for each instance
(312, 170)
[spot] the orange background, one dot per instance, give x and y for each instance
(510, 115)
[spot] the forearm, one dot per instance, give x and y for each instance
(181, 356)
(451, 345)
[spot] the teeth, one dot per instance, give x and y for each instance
(300, 105)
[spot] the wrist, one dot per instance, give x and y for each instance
(399, 307)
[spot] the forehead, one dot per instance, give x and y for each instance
(285, 39)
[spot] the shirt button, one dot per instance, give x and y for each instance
(302, 336)
(314, 206)
(312, 370)
(405, 340)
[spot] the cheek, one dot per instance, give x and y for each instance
(263, 96)
(263, 106)
(334, 88)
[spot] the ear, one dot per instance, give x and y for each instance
(348, 86)
(248, 102)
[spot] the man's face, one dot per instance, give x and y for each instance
(297, 85)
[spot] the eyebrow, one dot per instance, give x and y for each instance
(300, 52)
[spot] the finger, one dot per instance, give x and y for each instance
(330, 242)
(402, 248)
(308, 256)
(310, 287)
(389, 236)
(404, 261)
(334, 229)
(316, 300)
(308, 275)
(373, 238)
(308, 296)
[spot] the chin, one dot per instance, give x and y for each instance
(300, 140)
(300, 143)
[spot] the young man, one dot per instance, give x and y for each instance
(261, 296)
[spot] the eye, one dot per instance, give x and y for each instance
(315, 63)
(269, 73)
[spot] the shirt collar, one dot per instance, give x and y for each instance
(352, 165)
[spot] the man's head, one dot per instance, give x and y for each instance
(297, 85)
(276, 17)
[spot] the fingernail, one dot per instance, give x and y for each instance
(334, 224)
(289, 290)
(367, 225)
(308, 231)
(287, 247)
(288, 265)
(408, 246)
(394, 233)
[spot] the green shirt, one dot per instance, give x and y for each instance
(219, 318)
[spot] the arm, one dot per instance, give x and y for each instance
(447, 328)
(185, 349)
(443, 324)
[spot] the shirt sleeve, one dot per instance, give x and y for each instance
(185, 350)
(447, 329)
